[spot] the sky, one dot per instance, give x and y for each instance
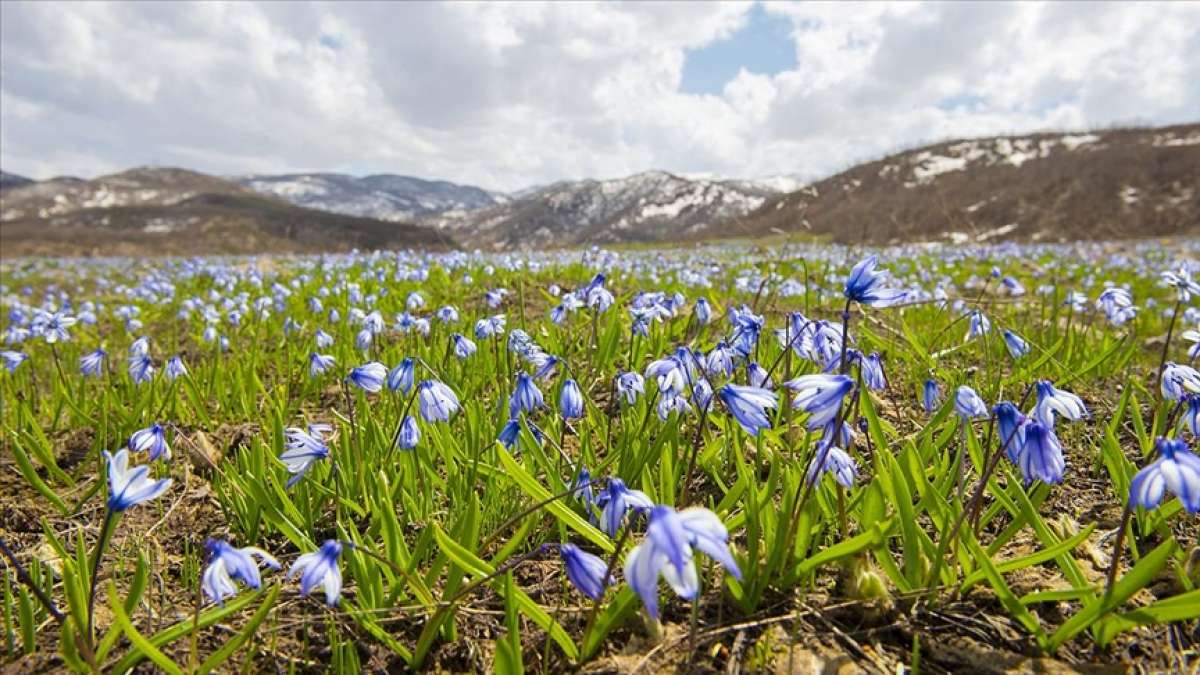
(505, 96)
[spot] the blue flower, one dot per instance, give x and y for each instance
(151, 440)
(463, 347)
(748, 406)
(227, 564)
(1191, 416)
(670, 373)
(668, 549)
(820, 396)
(319, 363)
(54, 327)
(363, 340)
(1017, 346)
(1176, 470)
(92, 364)
(437, 402)
(545, 364)
(829, 458)
(401, 377)
(702, 311)
(140, 347)
(410, 434)
(630, 386)
(304, 448)
(320, 567)
(758, 376)
(671, 401)
(1011, 424)
(719, 362)
(127, 487)
(615, 499)
(1179, 381)
(570, 400)
(324, 340)
(872, 371)
(140, 368)
(863, 285)
(369, 377)
(968, 405)
(1041, 456)
(1051, 401)
(978, 325)
(582, 485)
(509, 433)
(526, 396)
(175, 369)
(1181, 281)
(931, 395)
(586, 571)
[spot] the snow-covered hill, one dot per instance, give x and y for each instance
(648, 206)
(382, 196)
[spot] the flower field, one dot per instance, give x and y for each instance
(728, 458)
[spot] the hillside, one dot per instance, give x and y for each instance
(1041, 187)
(178, 212)
(382, 196)
(11, 180)
(650, 206)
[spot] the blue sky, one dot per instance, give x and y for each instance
(762, 46)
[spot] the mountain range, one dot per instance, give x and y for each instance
(1114, 183)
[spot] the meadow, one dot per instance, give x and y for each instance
(726, 458)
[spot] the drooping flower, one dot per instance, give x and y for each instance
(586, 571)
(570, 400)
(1017, 346)
(227, 564)
(758, 376)
(978, 325)
(151, 440)
(369, 377)
(1052, 401)
(175, 369)
(830, 458)
(130, 487)
(526, 396)
(630, 386)
(400, 378)
(668, 549)
(702, 311)
(463, 347)
(1176, 470)
(319, 363)
(1041, 455)
(141, 369)
(1011, 425)
(968, 405)
(931, 395)
(615, 500)
(670, 373)
(410, 434)
(436, 401)
(1179, 380)
(92, 363)
(864, 285)
(872, 370)
(748, 406)
(320, 567)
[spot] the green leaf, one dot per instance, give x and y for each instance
(244, 633)
(1035, 558)
(144, 646)
(562, 511)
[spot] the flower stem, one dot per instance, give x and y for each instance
(97, 556)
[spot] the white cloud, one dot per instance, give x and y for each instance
(508, 95)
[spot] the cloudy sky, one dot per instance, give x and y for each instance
(507, 96)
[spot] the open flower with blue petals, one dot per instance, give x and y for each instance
(821, 396)
(304, 449)
(130, 487)
(1179, 381)
(615, 500)
(1176, 470)
(153, 440)
(320, 568)
(672, 537)
(227, 564)
(1181, 280)
(865, 285)
(1052, 401)
(630, 386)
